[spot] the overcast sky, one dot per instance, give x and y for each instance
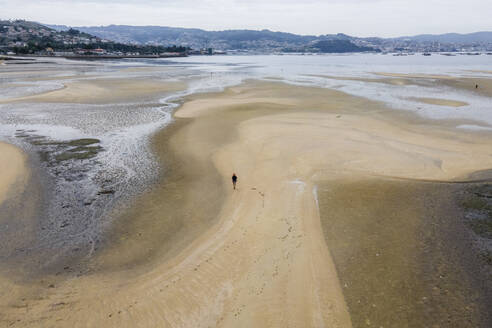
(355, 17)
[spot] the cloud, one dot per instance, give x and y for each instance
(356, 17)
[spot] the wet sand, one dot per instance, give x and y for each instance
(390, 81)
(191, 252)
(417, 76)
(481, 71)
(404, 254)
(103, 91)
(441, 102)
(460, 83)
(13, 171)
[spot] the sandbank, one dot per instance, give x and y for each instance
(103, 91)
(391, 81)
(462, 83)
(192, 252)
(480, 71)
(416, 76)
(440, 102)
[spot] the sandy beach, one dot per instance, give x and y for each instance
(327, 181)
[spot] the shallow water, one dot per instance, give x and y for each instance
(308, 70)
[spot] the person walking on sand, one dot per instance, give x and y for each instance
(234, 180)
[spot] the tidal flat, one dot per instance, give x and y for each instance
(356, 205)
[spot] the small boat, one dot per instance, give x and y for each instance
(426, 54)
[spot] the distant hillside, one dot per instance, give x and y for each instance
(156, 34)
(25, 37)
(340, 46)
(24, 24)
(248, 40)
(477, 37)
(268, 41)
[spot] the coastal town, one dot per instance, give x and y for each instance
(25, 38)
(21, 37)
